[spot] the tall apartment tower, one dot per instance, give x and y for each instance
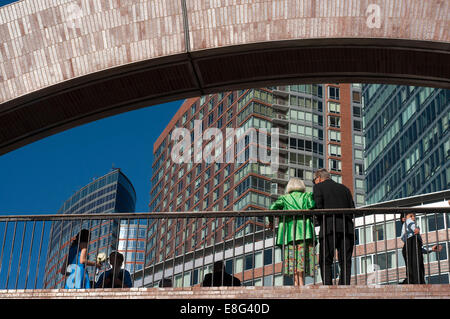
(407, 149)
(319, 126)
(111, 193)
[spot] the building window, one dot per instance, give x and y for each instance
(359, 184)
(357, 111)
(336, 178)
(356, 97)
(357, 126)
(359, 155)
(335, 165)
(334, 136)
(359, 170)
(334, 107)
(333, 93)
(334, 150)
(334, 121)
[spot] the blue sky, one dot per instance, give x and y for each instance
(38, 178)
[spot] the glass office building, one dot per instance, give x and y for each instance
(407, 150)
(111, 193)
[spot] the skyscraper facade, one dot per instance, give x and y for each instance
(318, 125)
(111, 193)
(407, 149)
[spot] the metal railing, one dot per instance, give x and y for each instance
(186, 249)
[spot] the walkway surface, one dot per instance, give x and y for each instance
(286, 292)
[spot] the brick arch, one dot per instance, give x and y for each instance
(68, 62)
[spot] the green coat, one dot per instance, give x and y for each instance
(294, 201)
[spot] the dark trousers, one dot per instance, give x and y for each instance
(412, 254)
(328, 244)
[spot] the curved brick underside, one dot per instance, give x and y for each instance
(68, 62)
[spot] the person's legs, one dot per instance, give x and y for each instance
(326, 259)
(345, 251)
(412, 260)
(301, 278)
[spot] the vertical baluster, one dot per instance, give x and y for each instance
(184, 238)
(273, 251)
(426, 241)
(204, 243)
(253, 253)
(344, 239)
(3, 248)
(396, 247)
(40, 249)
(354, 252)
(29, 255)
(417, 257)
(224, 247)
(437, 243)
(365, 246)
(67, 259)
(304, 249)
(446, 220)
(145, 251)
(125, 254)
(386, 250)
(57, 254)
(109, 244)
(233, 227)
(135, 253)
(323, 250)
(264, 248)
(243, 250)
(11, 253)
(20, 256)
(283, 248)
(214, 233)
(194, 233)
(334, 250)
(174, 254)
(85, 272)
(157, 244)
(97, 250)
(375, 233)
(313, 219)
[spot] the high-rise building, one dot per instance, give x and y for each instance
(319, 126)
(407, 138)
(111, 193)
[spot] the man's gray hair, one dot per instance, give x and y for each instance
(295, 184)
(322, 173)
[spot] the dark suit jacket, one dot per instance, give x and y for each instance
(228, 280)
(330, 194)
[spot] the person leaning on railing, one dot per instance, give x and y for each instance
(413, 250)
(116, 277)
(74, 267)
(336, 229)
(297, 236)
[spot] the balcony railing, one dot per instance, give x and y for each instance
(181, 249)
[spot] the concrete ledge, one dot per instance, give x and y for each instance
(287, 292)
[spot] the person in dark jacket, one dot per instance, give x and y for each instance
(220, 277)
(336, 230)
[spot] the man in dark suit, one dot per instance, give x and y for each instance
(336, 230)
(221, 277)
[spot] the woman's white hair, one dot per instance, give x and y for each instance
(295, 184)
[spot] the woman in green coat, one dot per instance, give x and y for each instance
(298, 259)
